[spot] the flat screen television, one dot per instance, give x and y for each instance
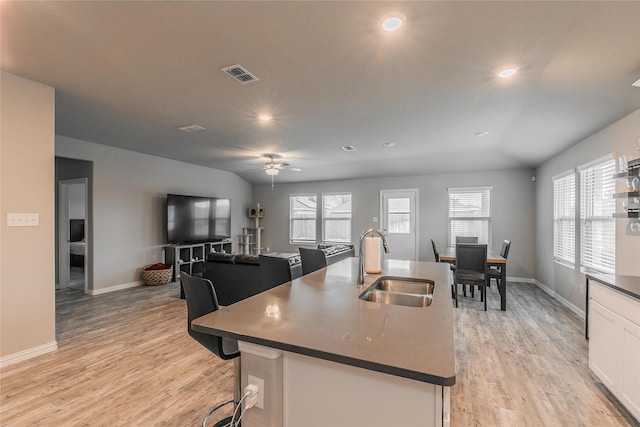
(193, 219)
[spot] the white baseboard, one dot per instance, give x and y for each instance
(115, 288)
(521, 279)
(28, 353)
(560, 299)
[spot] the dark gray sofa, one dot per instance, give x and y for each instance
(236, 276)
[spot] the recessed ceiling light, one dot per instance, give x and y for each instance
(349, 148)
(264, 117)
(389, 144)
(190, 128)
(295, 169)
(483, 133)
(637, 83)
(394, 22)
(504, 74)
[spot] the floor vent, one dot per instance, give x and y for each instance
(240, 73)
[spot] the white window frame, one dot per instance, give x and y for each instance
(597, 206)
(481, 219)
(292, 219)
(564, 218)
(347, 238)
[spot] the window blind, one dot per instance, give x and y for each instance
(564, 219)
(302, 218)
(336, 217)
(470, 213)
(597, 225)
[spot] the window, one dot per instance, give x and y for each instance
(302, 214)
(564, 218)
(470, 213)
(597, 225)
(399, 215)
(336, 217)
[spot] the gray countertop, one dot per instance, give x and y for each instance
(629, 285)
(320, 315)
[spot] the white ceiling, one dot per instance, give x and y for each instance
(128, 73)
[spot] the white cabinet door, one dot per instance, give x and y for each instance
(605, 342)
(630, 382)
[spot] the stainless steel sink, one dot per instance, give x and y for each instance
(404, 291)
(396, 298)
(405, 286)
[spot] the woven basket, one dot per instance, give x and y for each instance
(157, 277)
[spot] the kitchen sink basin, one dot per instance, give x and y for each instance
(405, 286)
(397, 298)
(408, 292)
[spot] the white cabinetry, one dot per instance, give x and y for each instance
(614, 343)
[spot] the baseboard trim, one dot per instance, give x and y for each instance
(521, 279)
(119, 287)
(28, 353)
(560, 299)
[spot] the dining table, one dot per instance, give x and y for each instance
(494, 259)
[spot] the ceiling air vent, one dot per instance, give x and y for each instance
(349, 148)
(239, 73)
(190, 128)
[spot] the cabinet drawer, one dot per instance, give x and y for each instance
(616, 302)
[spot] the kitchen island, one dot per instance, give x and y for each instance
(329, 358)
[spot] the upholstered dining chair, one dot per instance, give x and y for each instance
(471, 265)
(466, 239)
(201, 299)
(312, 260)
(496, 272)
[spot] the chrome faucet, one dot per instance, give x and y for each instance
(364, 234)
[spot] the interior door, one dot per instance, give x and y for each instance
(398, 221)
(72, 204)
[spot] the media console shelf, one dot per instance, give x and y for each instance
(190, 257)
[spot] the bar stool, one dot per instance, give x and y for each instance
(201, 299)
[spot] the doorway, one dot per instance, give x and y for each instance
(398, 213)
(73, 236)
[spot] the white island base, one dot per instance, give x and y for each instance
(306, 391)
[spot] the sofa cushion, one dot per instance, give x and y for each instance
(246, 259)
(220, 257)
(334, 249)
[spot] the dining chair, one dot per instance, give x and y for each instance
(201, 299)
(471, 262)
(436, 256)
(312, 260)
(466, 239)
(495, 272)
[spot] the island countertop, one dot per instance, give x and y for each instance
(320, 315)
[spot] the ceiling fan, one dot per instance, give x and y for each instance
(273, 167)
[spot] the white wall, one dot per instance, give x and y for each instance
(128, 195)
(621, 137)
(513, 208)
(27, 299)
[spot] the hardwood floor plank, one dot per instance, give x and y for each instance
(125, 359)
(527, 366)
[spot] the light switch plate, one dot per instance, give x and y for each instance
(23, 219)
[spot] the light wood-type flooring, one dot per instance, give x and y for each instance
(125, 359)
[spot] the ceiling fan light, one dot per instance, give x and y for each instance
(506, 73)
(393, 22)
(272, 171)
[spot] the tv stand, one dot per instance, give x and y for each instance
(190, 257)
